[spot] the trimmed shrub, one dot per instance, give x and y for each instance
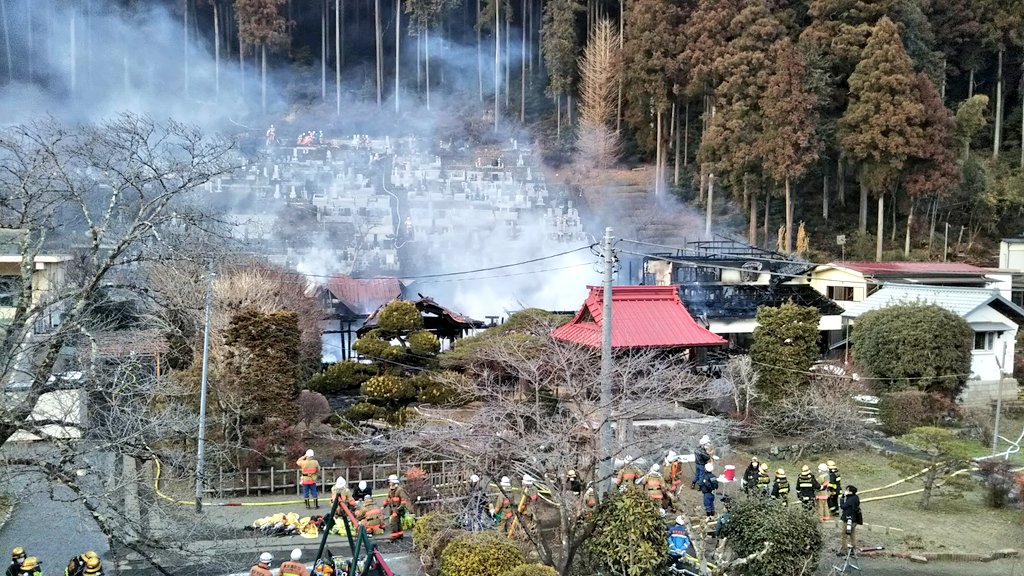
(399, 316)
(431, 535)
(998, 479)
(389, 389)
(480, 554)
(900, 412)
(364, 411)
(628, 538)
(784, 348)
(340, 376)
(532, 570)
(423, 343)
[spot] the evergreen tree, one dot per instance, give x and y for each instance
(1003, 30)
(424, 15)
(261, 25)
(597, 143)
(785, 346)
(264, 352)
(958, 29)
(560, 46)
(790, 144)
(883, 124)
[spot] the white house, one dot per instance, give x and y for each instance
(993, 318)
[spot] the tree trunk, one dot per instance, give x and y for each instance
(752, 225)
(824, 194)
(841, 178)
(970, 83)
(997, 138)
(862, 219)
(657, 156)
(426, 63)
(241, 64)
(508, 52)
(73, 57)
(558, 117)
(881, 227)
(7, 41)
(337, 57)
(216, 51)
(522, 71)
(497, 60)
(622, 35)
(702, 184)
(379, 43)
(686, 135)
(892, 230)
(678, 155)
(479, 54)
(931, 223)
(1022, 129)
(398, 53)
(789, 219)
(910, 222)
(767, 205)
(323, 49)
(711, 204)
(263, 78)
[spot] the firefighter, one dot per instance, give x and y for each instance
(361, 491)
(708, 486)
(397, 503)
(271, 136)
(18, 556)
(628, 474)
(78, 565)
(835, 487)
(262, 568)
(30, 567)
(674, 471)
(821, 498)
(502, 507)
(372, 517)
(653, 484)
(528, 502)
(750, 476)
(806, 486)
(310, 469)
(573, 481)
(589, 503)
(342, 493)
(294, 566)
(764, 482)
(780, 487)
(701, 457)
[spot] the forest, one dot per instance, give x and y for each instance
(896, 123)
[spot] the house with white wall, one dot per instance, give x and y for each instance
(993, 318)
(47, 274)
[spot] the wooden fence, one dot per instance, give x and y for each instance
(286, 481)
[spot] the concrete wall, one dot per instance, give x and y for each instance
(981, 393)
(1011, 255)
(825, 276)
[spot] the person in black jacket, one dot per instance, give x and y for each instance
(701, 456)
(851, 518)
(709, 485)
(361, 491)
(750, 476)
(18, 556)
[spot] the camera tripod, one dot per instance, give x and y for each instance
(848, 563)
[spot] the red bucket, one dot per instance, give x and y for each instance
(730, 473)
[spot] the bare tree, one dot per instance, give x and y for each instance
(540, 415)
(313, 408)
(111, 196)
(742, 379)
(598, 143)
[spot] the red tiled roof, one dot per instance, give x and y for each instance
(871, 268)
(642, 317)
(364, 295)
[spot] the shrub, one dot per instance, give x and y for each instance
(371, 346)
(440, 394)
(915, 346)
(389, 389)
(998, 479)
(825, 410)
(532, 570)
(423, 343)
(480, 554)
(900, 412)
(628, 538)
(364, 411)
(399, 316)
(340, 376)
(431, 535)
(785, 346)
(794, 535)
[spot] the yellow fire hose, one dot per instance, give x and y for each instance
(515, 518)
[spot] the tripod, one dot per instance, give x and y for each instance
(848, 563)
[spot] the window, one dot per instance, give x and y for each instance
(984, 340)
(9, 288)
(840, 293)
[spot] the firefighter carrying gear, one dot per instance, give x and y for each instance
(835, 486)
(502, 507)
(821, 497)
(372, 517)
(528, 503)
(654, 486)
(806, 486)
(764, 482)
(397, 503)
(628, 474)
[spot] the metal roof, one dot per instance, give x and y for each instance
(961, 301)
(893, 268)
(642, 317)
(364, 295)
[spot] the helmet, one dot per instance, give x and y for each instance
(655, 468)
(571, 473)
(831, 464)
(505, 482)
(393, 479)
(680, 520)
(362, 484)
(763, 467)
(367, 498)
(780, 472)
(705, 439)
(30, 563)
(527, 480)
(266, 558)
(822, 467)
(628, 459)
(474, 479)
(309, 453)
(92, 562)
(709, 467)
(340, 482)
(18, 553)
(671, 456)
(754, 459)
(296, 554)
(805, 470)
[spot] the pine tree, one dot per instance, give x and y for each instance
(560, 46)
(597, 142)
(789, 145)
(883, 124)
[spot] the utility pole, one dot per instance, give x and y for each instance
(606, 439)
(945, 243)
(999, 400)
(201, 442)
